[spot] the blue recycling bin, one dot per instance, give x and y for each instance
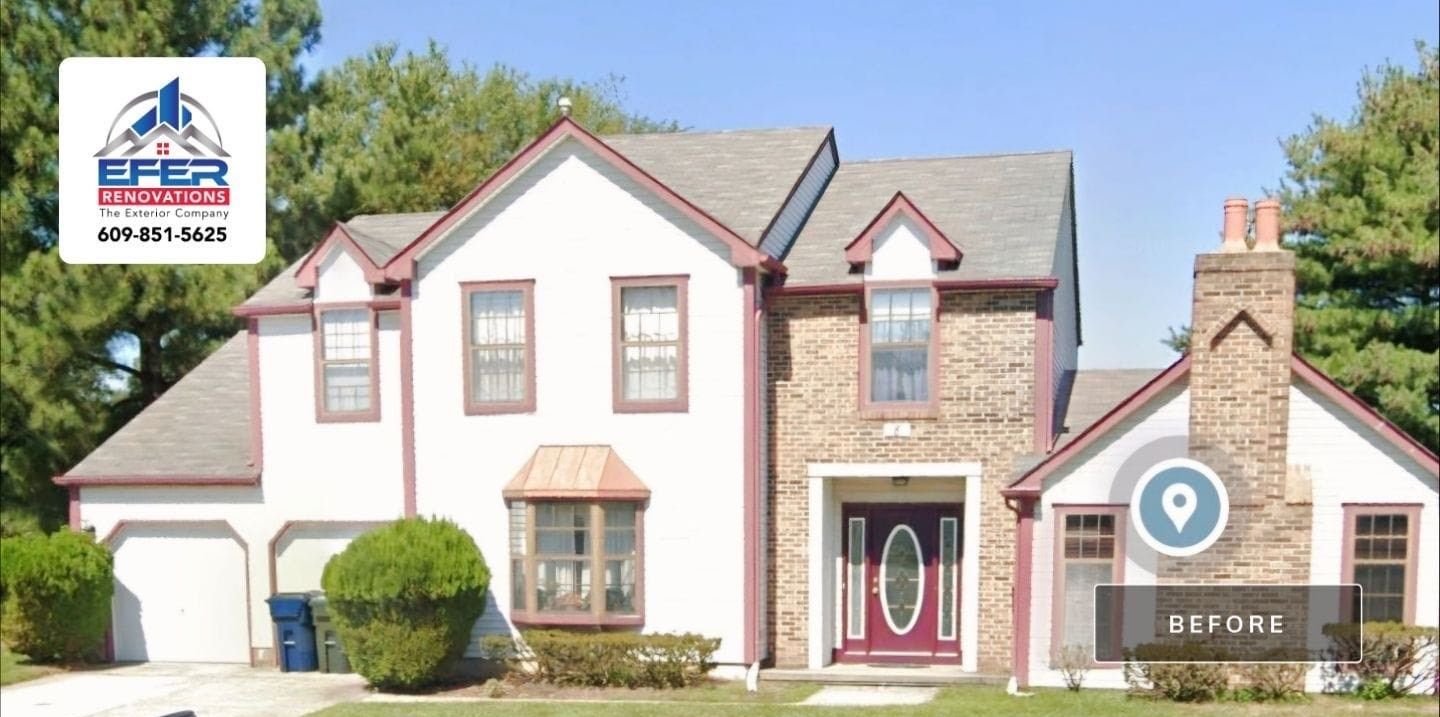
(294, 633)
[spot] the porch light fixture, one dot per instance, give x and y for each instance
(900, 481)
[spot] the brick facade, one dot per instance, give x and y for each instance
(986, 396)
(1240, 352)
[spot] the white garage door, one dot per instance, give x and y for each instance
(180, 594)
(301, 553)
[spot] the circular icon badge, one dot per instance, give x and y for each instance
(1179, 507)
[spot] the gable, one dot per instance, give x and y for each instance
(402, 266)
(341, 277)
(901, 253)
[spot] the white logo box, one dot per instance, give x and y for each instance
(162, 160)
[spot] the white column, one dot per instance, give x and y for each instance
(970, 579)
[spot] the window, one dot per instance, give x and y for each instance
(1380, 555)
(651, 364)
(855, 566)
(345, 374)
(499, 347)
(898, 353)
(949, 575)
(575, 563)
(1089, 551)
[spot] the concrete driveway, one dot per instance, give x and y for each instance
(155, 689)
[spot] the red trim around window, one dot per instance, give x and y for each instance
(1412, 512)
(371, 414)
(526, 287)
(900, 409)
(681, 402)
(1057, 575)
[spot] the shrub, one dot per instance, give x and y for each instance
(1194, 681)
(57, 594)
(1395, 659)
(1074, 663)
(1272, 682)
(405, 597)
(620, 659)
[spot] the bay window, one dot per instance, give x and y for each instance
(575, 563)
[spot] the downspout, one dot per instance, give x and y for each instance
(751, 349)
(407, 399)
(1024, 509)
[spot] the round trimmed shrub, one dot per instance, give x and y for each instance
(405, 597)
(57, 595)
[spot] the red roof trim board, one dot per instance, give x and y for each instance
(1037, 283)
(307, 275)
(1032, 482)
(1365, 414)
(402, 265)
(863, 247)
(388, 303)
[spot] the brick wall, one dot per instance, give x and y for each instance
(1243, 328)
(986, 415)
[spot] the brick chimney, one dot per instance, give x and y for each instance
(1242, 333)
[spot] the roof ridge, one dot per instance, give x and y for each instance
(945, 157)
(394, 214)
(738, 130)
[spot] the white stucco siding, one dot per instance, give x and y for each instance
(1088, 480)
(312, 471)
(901, 252)
(340, 278)
(793, 215)
(1065, 310)
(1349, 463)
(570, 223)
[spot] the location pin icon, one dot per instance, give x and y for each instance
(1178, 501)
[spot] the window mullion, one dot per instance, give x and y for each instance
(532, 583)
(597, 560)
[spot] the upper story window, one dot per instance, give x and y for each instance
(575, 562)
(898, 353)
(1090, 552)
(1381, 556)
(345, 366)
(650, 356)
(499, 346)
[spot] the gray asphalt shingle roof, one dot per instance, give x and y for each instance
(1093, 393)
(213, 398)
(1003, 211)
(740, 177)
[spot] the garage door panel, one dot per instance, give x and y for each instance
(180, 594)
(302, 552)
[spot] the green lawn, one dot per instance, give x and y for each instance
(951, 701)
(17, 668)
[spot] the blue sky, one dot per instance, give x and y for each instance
(1169, 108)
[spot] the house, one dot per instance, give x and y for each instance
(726, 383)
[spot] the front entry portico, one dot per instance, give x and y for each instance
(893, 563)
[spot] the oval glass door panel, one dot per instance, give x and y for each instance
(902, 579)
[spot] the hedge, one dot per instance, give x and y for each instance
(404, 598)
(57, 595)
(620, 659)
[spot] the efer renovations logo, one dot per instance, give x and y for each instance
(162, 160)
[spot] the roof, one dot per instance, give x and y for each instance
(1032, 475)
(380, 236)
(161, 442)
(740, 177)
(1003, 211)
(559, 472)
(1092, 393)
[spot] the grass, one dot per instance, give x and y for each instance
(978, 701)
(17, 668)
(717, 691)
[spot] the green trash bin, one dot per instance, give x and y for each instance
(327, 639)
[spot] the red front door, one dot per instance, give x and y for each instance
(902, 586)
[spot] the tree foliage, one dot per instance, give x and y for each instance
(392, 132)
(68, 333)
(1362, 206)
(1362, 212)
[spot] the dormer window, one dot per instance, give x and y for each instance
(345, 365)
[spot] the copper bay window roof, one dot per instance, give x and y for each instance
(575, 473)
